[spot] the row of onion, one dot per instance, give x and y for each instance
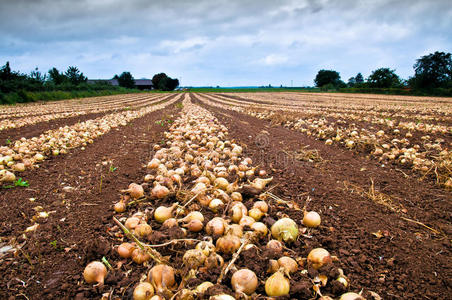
(27, 153)
(392, 146)
(198, 183)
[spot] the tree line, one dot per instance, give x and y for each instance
(20, 87)
(432, 75)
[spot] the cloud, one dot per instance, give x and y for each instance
(274, 59)
(234, 42)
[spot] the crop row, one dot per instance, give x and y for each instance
(207, 206)
(26, 153)
(426, 154)
(421, 108)
(73, 111)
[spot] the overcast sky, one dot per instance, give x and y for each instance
(223, 42)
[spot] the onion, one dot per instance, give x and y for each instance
(161, 277)
(120, 207)
(194, 215)
(125, 250)
(221, 183)
(244, 281)
(143, 229)
(140, 256)
(95, 272)
(148, 177)
(260, 228)
(202, 288)
(261, 205)
(199, 188)
(194, 225)
(228, 244)
(246, 221)
(216, 226)
(255, 213)
(19, 167)
(285, 229)
(235, 229)
(153, 164)
(237, 211)
(273, 266)
(311, 219)
(194, 258)
(143, 291)
(132, 222)
(277, 285)
(222, 297)
(351, 296)
(214, 260)
(135, 190)
(169, 223)
(215, 205)
(260, 183)
(8, 177)
(288, 264)
(159, 191)
(206, 247)
(318, 257)
(163, 213)
(236, 196)
(275, 245)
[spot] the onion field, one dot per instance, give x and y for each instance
(227, 196)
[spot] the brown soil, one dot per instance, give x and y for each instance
(408, 260)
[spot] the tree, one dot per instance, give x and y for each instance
(351, 82)
(432, 71)
(157, 78)
(125, 80)
(325, 77)
(74, 75)
(359, 79)
(384, 78)
(56, 76)
(162, 82)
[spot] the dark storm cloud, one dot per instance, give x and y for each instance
(223, 42)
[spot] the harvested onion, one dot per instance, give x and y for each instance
(285, 229)
(143, 291)
(163, 213)
(351, 296)
(311, 219)
(228, 244)
(244, 281)
(125, 250)
(277, 285)
(319, 257)
(95, 272)
(162, 277)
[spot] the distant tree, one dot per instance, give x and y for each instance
(125, 80)
(37, 76)
(5, 72)
(359, 78)
(162, 82)
(157, 78)
(74, 75)
(56, 77)
(384, 78)
(325, 77)
(351, 82)
(432, 71)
